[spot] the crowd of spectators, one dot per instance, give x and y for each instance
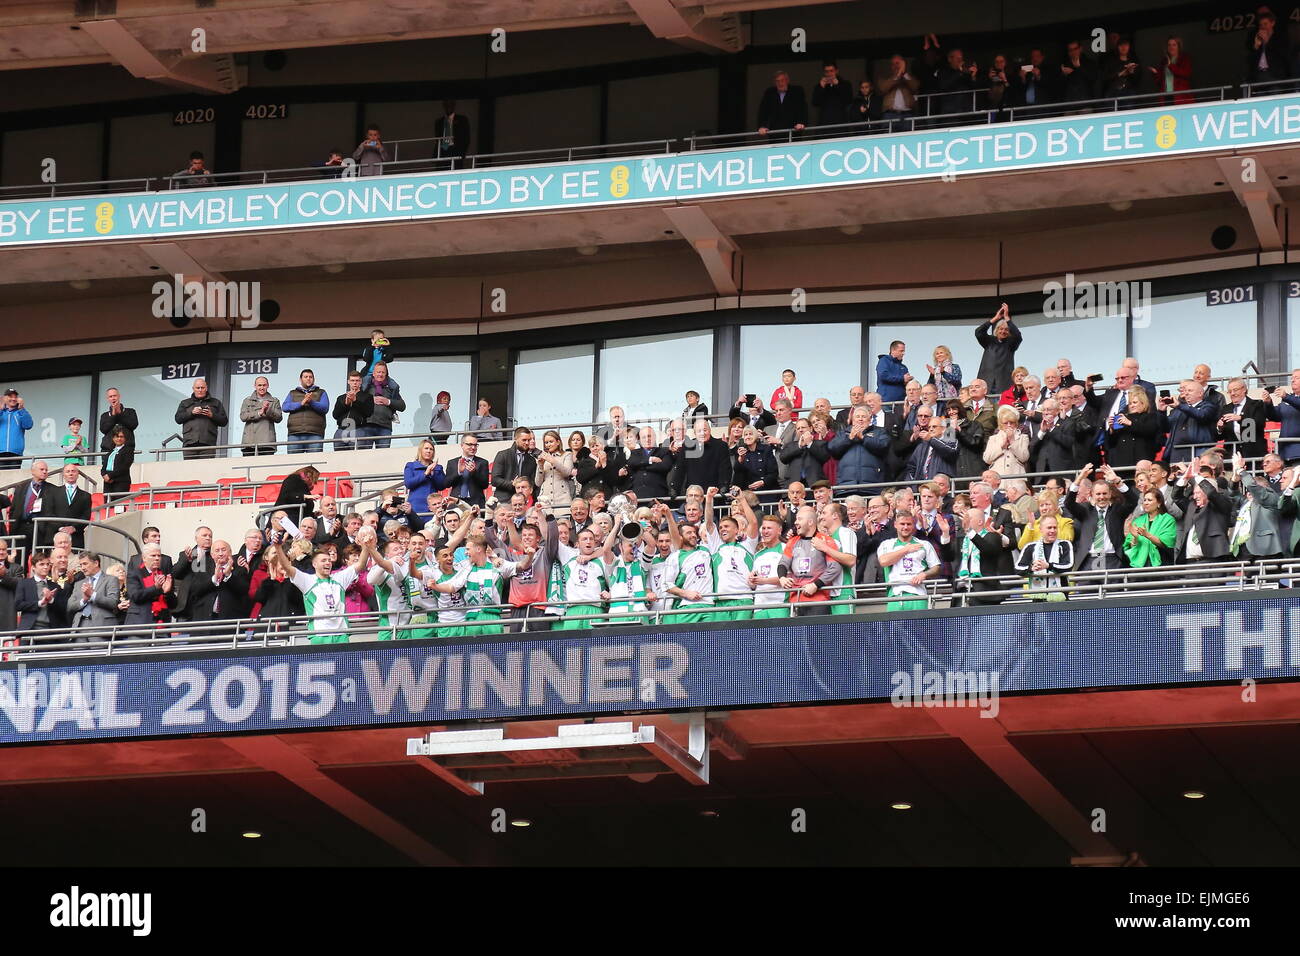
(946, 79)
(1006, 482)
(939, 79)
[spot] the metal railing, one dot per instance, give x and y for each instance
(927, 116)
(1241, 577)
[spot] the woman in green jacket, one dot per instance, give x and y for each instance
(1150, 536)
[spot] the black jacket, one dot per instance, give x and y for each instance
(805, 464)
(231, 595)
(756, 465)
(78, 507)
(1212, 523)
(650, 480)
(108, 421)
(199, 430)
(354, 415)
(1256, 415)
(27, 603)
(21, 519)
(469, 487)
(119, 478)
(707, 465)
(1085, 524)
(278, 599)
(832, 102)
(506, 468)
(459, 134)
(591, 477)
(775, 113)
(142, 598)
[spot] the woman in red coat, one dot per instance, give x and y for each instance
(1174, 73)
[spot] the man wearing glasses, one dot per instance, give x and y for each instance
(467, 475)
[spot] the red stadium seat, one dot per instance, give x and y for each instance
(267, 493)
(338, 484)
(236, 496)
(168, 498)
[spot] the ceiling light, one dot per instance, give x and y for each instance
(1194, 794)
(851, 230)
(80, 284)
(521, 822)
(711, 814)
(1121, 205)
(901, 805)
(251, 835)
(333, 268)
(588, 250)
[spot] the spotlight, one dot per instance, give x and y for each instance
(80, 284)
(1194, 794)
(251, 835)
(521, 822)
(851, 230)
(588, 250)
(901, 805)
(333, 268)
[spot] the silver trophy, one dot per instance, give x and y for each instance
(620, 507)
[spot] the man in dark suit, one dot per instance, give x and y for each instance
(114, 416)
(1054, 448)
(783, 106)
(11, 575)
(755, 414)
(1191, 422)
(37, 599)
(832, 96)
(1241, 426)
(931, 451)
(454, 140)
(1207, 519)
(1078, 424)
(72, 502)
(223, 594)
(982, 554)
(33, 498)
(467, 476)
(512, 462)
(147, 585)
(1099, 525)
(802, 459)
(703, 460)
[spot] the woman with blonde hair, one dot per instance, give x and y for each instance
(1049, 506)
(555, 470)
(945, 374)
(423, 477)
(1007, 450)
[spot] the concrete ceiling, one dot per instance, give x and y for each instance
(45, 34)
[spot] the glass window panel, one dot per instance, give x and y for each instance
(421, 380)
(169, 145)
(554, 386)
(650, 375)
(331, 375)
(1091, 345)
(1184, 332)
(51, 402)
(76, 150)
(1293, 331)
(826, 360)
(154, 402)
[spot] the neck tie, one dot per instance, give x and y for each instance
(1099, 537)
(929, 459)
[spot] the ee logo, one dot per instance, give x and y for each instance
(620, 181)
(104, 218)
(1165, 135)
